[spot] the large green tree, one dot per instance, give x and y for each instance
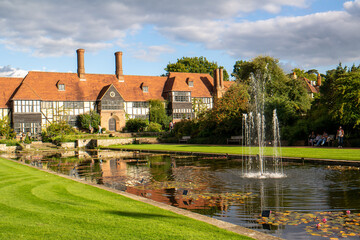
(288, 96)
(195, 65)
(344, 100)
(224, 119)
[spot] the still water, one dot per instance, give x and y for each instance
(214, 186)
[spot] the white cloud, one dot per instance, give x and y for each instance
(152, 53)
(8, 71)
(52, 27)
(312, 40)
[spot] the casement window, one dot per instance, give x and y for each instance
(182, 115)
(111, 104)
(71, 120)
(73, 105)
(33, 128)
(46, 105)
(140, 104)
(26, 106)
(181, 97)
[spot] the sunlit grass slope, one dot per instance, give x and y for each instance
(39, 205)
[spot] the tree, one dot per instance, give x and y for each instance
(225, 117)
(195, 65)
(92, 118)
(287, 95)
(157, 113)
(5, 129)
(346, 95)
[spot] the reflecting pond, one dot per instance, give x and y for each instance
(312, 202)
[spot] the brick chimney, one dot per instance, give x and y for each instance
(218, 82)
(221, 78)
(319, 80)
(118, 66)
(80, 62)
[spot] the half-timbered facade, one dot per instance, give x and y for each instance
(41, 98)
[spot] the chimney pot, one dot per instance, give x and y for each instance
(118, 66)
(319, 79)
(80, 62)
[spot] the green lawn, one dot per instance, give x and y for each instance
(301, 152)
(40, 205)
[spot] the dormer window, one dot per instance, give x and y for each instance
(190, 82)
(144, 88)
(61, 87)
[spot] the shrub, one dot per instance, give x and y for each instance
(27, 140)
(154, 127)
(5, 129)
(9, 142)
(92, 118)
(56, 130)
(136, 125)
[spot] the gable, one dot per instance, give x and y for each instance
(110, 93)
(203, 84)
(8, 88)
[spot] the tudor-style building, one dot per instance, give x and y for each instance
(40, 98)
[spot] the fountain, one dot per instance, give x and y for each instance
(255, 139)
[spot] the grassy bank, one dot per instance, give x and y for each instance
(39, 205)
(311, 152)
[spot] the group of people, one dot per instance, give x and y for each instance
(320, 140)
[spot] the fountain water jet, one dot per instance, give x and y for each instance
(254, 137)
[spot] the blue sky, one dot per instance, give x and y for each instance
(44, 35)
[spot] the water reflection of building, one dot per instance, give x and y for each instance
(184, 185)
(118, 174)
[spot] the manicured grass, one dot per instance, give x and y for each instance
(9, 142)
(72, 138)
(300, 152)
(39, 205)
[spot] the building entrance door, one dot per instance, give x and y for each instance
(112, 124)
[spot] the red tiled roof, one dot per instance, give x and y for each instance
(44, 85)
(131, 88)
(8, 86)
(203, 83)
(309, 86)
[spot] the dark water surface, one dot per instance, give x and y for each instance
(215, 187)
